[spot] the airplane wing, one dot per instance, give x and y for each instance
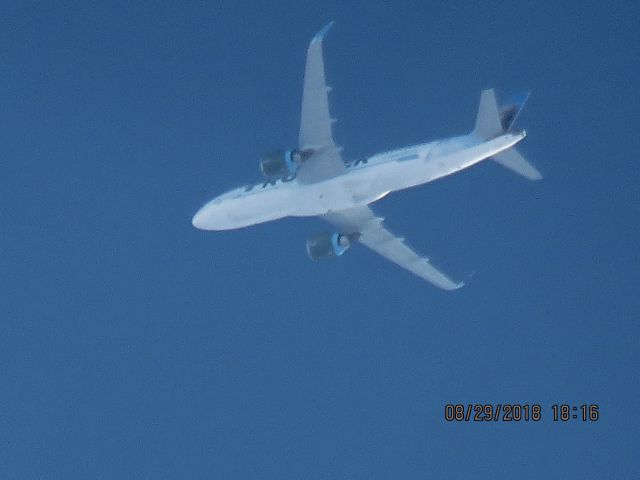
(380, 240)
(315, 120)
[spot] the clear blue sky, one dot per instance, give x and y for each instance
(134, 346)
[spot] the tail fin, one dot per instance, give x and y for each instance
(493, 121)
(488, 120)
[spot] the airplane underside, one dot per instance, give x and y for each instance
(314, 180)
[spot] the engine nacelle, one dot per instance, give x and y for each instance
(280, 163)
(325, 245)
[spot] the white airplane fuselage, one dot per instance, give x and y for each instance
(362, 183)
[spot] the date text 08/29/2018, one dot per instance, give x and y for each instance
(516, 412)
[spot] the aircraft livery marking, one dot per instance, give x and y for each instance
(292, 176)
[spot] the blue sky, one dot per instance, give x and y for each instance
(134, 346)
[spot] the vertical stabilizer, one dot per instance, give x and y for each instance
(488, 123)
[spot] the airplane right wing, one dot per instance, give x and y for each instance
(380, 240)
(315, 120)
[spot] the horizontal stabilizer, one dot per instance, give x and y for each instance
(512, 160)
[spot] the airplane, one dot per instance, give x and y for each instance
(314, 180)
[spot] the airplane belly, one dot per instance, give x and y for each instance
(441, 160)
(334, 195)
(359, 187)
(364, 186)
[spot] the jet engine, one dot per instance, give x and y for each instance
(280, 163)
(325, 245)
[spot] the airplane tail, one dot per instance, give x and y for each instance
(493, 121)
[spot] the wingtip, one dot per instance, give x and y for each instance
(456, 286)
(464, 282)
(320, 35)
(450, 285)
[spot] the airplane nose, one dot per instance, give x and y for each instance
(198, 219)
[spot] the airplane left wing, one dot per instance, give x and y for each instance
(315, 120)
(380, 240)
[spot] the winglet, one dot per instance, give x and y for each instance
(320, 35)
(453, 286)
